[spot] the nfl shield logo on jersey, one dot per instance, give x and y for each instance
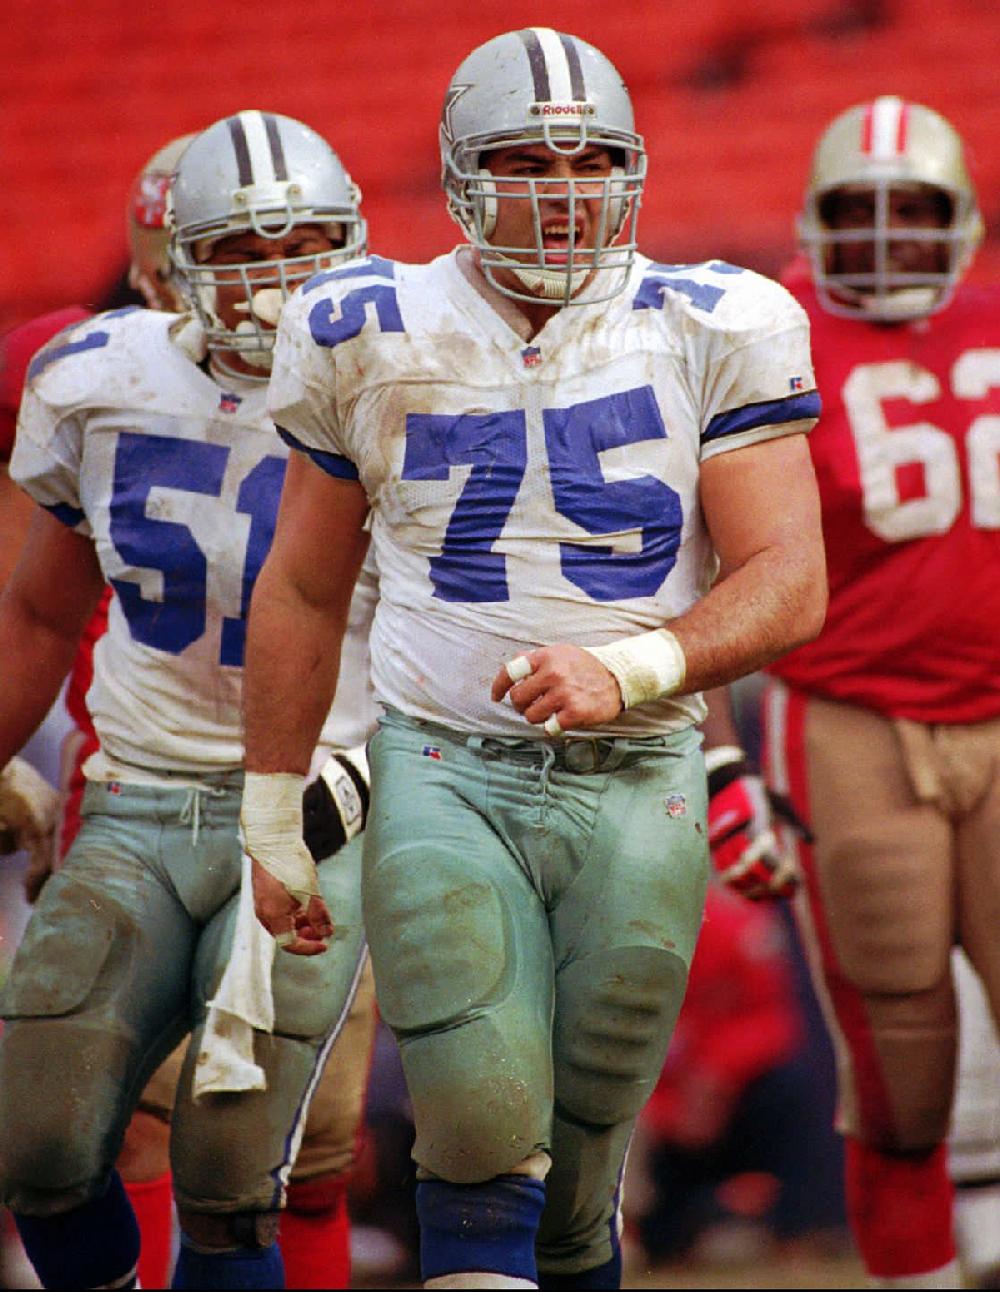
(676, 805)
(432, 751)
(228, 402)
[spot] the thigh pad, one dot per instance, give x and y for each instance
(446, 927)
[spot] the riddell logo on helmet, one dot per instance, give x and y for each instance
(562, 109)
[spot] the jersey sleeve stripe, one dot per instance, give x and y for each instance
(793, 408)
(69, 516)
(50, 353)
(332, 463)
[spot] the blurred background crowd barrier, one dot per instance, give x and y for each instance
(730, 97)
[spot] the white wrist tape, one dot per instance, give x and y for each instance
(645, 667)
(271, 827)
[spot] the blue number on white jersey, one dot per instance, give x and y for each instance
(574, 437)
(258, 498)
(328, 331)
(143, 462)
(703, 296)
(496, 444)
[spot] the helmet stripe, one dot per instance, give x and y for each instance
(536, 61)
(904, 121)
(556, 63)
(239, 137)
(277, 150)
(263, 163)
(884, 130)
(577, 87)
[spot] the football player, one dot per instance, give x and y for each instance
(561, 443)
(144, 437)
(885, 731)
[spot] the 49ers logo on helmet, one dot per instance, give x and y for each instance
(149, 200)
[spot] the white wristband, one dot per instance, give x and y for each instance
(645, 667)
(271, 828)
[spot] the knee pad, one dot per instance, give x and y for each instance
(614, 1016)
(902, 1062)
(64, 1049)
(476, 1115)
(51, 1159)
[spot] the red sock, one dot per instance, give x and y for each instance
(900, 1209)
(315, 1236)
(153, 1204)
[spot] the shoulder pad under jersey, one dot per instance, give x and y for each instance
(108, 356)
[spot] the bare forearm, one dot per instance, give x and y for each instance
(293, 658)
(761, 505)
(765, 608)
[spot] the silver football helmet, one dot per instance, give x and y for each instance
(265, 173)
(886, 144)
(541, 86)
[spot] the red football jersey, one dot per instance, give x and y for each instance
(17, 348)
(907, 454)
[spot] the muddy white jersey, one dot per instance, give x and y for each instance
(176, 479)
(526, 494)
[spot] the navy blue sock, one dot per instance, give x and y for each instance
(246, 1267)
(88, 1247)
(489, 1227)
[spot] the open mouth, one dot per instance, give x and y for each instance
(557, 239)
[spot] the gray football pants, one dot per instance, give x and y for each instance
(126, 945)
(532, 910)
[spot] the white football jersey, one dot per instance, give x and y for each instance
(177, 481)
(526, 494)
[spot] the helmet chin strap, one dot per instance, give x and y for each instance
(255, 358)
(904, 303)
(221, 368)
(548, 284)
(887, 307)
